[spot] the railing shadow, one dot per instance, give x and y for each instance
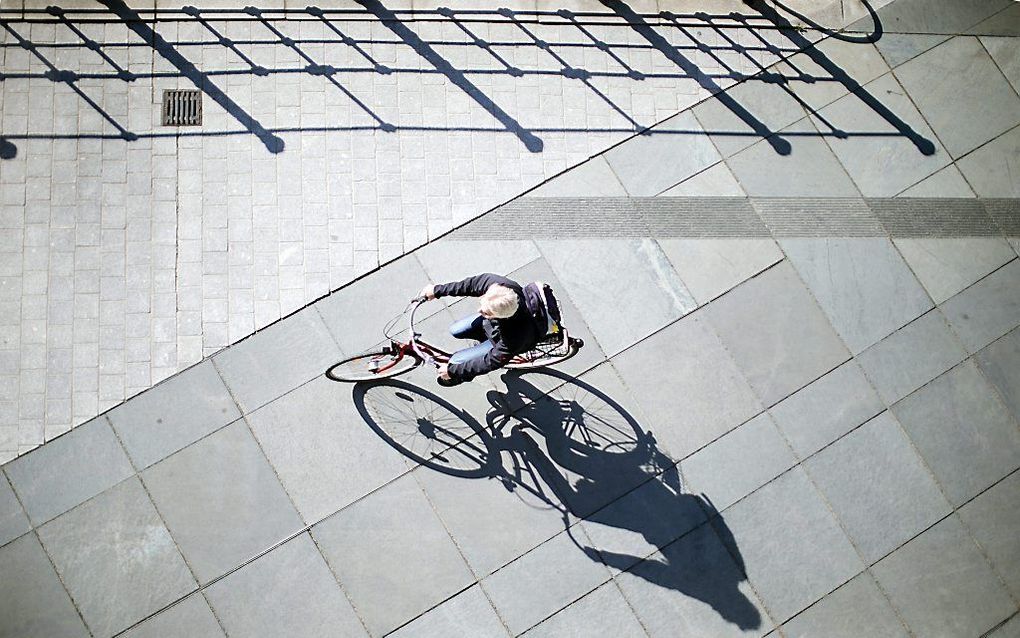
(577, 451)
(760, 36)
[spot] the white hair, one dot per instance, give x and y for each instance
(499, 301)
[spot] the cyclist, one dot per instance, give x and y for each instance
(503, 325)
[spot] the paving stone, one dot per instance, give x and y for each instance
(988, 309)
(305, 598)
(942, 16)
(715, 396)
(69, 470)
(451, 260)
(878, 487)
(1005, 22)
(13, 522)
(826, 409)
(468, 613)
(190, 618)
(991, 168)
(308, 436)
(898, 48)
(961, 93)
(1009, 629)
(541, 582)
(948, 182)
(277, 359)
(663, 156)
(593, 178)
(809, 170)
(602, 613)
(375, 548)
(1001, 50)
(993, 518)
(882, 166)
(695, 586)
(739, 462)
(174, 414)
(941, 584)
(710, 267)
(588, 270)
(1000, 362)
(775, 332)
(912, 356)
(116, 558)
(715, 181)
(791, 571)
(855, 609)
(963, 431)
(221, 500)
(862, 284)
(831, 69)
(33, 603)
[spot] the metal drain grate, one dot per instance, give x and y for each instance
(182, 107)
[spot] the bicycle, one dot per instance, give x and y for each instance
(399, 357)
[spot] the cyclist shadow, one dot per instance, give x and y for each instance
(604, 468)
(595, 462)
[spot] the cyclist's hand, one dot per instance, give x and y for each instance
(428, 292)
(444, 372)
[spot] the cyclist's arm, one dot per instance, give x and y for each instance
(494, 359)
(472, 286)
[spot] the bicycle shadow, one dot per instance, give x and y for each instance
(596, 463)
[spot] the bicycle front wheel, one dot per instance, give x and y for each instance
(373, 365)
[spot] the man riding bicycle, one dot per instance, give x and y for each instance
(504, 326)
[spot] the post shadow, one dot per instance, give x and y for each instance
(595, 463)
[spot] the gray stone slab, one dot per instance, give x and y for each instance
(116, 558)
(1005, 22)
(993, 518)
(826, 409)
(468, 613)
(55, 477)
(809, 170)
(663, 156)
(173, 414)
(715, 181)
(987, 310)
(739, 462)
(601, 614)
(695, 399)
(451, 259)
(878, 487)
(694, 587)
(767, 106)
(831, 69)
(542, 582)
(643, 521)
(305, 598)
(912, 356)
(884, 152)
(13, 522)
(221, 500)
(991, 169)
(1000, 362)
(1008, 629)
(277, 359)
(776, 333)
(33, 603)
(1003, 51)
(947, 265)
(862, 284)
(589, 271)
(948, 182)
(791, 571)
(961, 93)
(941, 584)
(309, 437)
(897, 48)
(857, 608)
(711, 266)
(818, 217)
(963, 431)
(191, 618)
(942, 16)
(376, 548)
(593, 178)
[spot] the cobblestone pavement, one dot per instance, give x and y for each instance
(332, 141)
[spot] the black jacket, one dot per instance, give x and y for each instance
(509, 337)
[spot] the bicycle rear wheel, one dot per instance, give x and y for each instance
(370, 366)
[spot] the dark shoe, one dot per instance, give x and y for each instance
(448, 383)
